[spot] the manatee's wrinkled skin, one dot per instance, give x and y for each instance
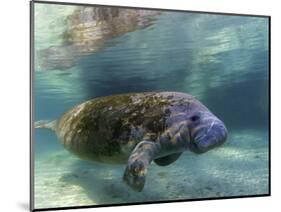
(137, 128)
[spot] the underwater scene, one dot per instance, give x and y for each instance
(87, 52)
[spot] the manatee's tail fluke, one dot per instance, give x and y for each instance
(46, 124)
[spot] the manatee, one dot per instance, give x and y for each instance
(87, 30)
(138, 128)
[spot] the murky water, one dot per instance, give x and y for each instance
(221, 60)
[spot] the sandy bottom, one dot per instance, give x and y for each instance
(240, 167)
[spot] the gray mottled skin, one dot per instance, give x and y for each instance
(138, 128)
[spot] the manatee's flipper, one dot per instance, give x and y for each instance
(46, 124)
(138, 162)
(167, 160)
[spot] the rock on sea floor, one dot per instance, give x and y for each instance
(240, 167)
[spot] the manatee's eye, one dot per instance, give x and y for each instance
(194, 118)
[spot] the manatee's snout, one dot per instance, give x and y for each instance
(211, 134)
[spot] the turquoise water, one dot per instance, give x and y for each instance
(221, 60)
